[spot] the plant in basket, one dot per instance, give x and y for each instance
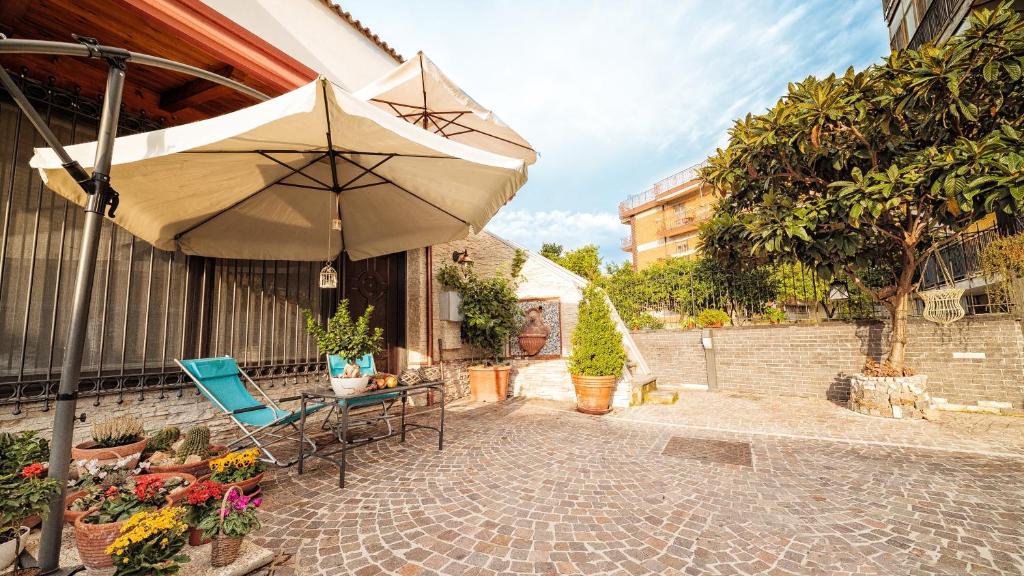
(237, 467)
(200, 501)
(23, 494)
(150, 543)
(228, 524)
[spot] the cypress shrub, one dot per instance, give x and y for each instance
(596, 342)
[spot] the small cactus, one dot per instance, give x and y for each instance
(162, 440)
(117, 431)
(197, 442)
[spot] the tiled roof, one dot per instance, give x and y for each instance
(347, 16)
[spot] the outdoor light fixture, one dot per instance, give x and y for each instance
(838, 290)
(328, 277)
(462, 257)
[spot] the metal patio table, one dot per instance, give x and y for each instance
(326, 394)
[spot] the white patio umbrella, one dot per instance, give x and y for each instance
(419, 93)
(272, 181)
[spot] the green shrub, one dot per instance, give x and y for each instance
(596, 343)
(348, 338)
(490, 310)
(712, 318)
(20, 450)
(774, 315)
(645, 321)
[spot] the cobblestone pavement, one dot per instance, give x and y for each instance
(535, 488)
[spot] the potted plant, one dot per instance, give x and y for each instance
(18, 451)
(243, 470)
(597, 356)
(26, 493)
(228, 525)
(113, 439)
(351, 339)
(490, 316)
(190, 453)
(150, 543)
(100, 526)
(202, 498)
(712, 318)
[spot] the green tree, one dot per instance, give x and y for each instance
(879, 168)
(585, 261)
(551, 251)
(596, 342)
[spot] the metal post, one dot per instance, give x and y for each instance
(64, 419)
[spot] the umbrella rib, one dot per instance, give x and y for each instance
(403, 189)
(191, 228)
(469, 129)
(305, 186)
(448, 122)
(343, 150)
(269, 157)
(365, 171)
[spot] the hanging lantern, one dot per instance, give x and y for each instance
(838, 290)
(943, 306)
(328, 277)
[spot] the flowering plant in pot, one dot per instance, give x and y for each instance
(228, 525)
(597, 355)
(18, 451)
(490, 317)
(23, 494)
(202, 499)
(242, 469)
(712, 318)
(189, 453)
(350, 338)
(100, 526)
(112, 440)
(150, 543)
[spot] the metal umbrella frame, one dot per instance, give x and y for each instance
(446, 123)
(102, 198)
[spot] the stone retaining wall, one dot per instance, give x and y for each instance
(980, 358)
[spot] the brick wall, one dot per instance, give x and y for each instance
(816, 359)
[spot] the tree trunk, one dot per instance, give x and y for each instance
(898, 339)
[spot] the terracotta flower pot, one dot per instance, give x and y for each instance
(196, 469)
(92, 541)
(177, 494)
(195, 537)
(88, 451)
(70, 516)
(594, 393)
(488, 383)
(248, 487)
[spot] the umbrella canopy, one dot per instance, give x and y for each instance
(418, 92)
(272, 180)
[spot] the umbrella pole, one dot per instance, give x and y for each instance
(67, 394)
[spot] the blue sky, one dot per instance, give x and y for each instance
(617, 95)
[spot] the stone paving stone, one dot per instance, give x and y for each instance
(534, 488)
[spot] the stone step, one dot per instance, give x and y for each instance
(661, 397)
(640, 386)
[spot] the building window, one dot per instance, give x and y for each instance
(920, 8)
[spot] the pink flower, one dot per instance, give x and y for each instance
(256, 502)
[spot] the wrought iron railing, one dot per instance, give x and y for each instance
(960, 260)
(150, 306)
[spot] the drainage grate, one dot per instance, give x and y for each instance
(705, 450)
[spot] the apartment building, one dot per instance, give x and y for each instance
(913, 23)
(664, 220)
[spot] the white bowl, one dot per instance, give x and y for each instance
(349, 386)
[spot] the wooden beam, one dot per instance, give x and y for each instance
(194, 92)
(194, 22)
(11, 12)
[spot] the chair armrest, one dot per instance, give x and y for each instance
(290, 399)
(249, 409)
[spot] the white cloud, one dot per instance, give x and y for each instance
(570, 229)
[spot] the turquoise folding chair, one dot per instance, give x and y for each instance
(221, 381)
(367, 367)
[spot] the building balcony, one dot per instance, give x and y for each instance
(627, 243)
(650, 196)
(675, 225)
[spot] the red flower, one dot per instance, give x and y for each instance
(201, 493)
(32, 470)
(111, 492)
(148, 487)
